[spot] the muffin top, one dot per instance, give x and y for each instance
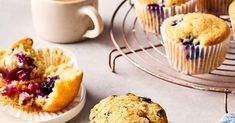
(128, 108)
(232, 10)
(167, 3)
(197, 28)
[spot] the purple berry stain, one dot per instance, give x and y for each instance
(22, 58)
(19, 73)
(24, 97)
(23, 74)
(48, 85)
(8, 90)
(157, 8)
(9, 75)
(16, 74)
(193, 48)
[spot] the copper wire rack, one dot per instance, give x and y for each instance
(145, 51)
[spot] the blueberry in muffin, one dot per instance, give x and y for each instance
(35, 80)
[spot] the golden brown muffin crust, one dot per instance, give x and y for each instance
(65, 90)
(206, 28)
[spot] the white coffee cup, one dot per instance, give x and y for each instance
(66, 21)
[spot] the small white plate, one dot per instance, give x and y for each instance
(10, 115)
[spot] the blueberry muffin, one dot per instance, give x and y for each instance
(37, 80)
(216, 7)
(151, 13)
(128, 108)
(195, 43)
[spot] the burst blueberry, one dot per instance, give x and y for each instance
(22, 58)
(192, 46)
(9, 90)
(23, 74)
(48, 85)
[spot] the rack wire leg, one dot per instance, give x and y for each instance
(226, 102)
(112, 62)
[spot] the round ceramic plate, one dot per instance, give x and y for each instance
(10, 115)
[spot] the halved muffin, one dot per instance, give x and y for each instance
(33, 80)
(65, 88)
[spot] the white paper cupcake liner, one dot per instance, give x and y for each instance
(52, 117)
(58, 55)
(151, 17)
(194, 59)
(216, 7)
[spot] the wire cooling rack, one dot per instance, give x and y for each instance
(145, 51)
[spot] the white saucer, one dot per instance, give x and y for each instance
(10, 115)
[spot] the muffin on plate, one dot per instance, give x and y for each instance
(35, 80)
(151, 13)
(195, 43)
(216, 7)
(128, 108)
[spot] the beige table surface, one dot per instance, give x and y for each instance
(182, 105)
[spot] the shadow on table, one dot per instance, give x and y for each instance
(83, 116)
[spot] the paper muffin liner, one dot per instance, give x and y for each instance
(216, 7)
(195, 59)
(53, 56)
(50, 117)
(151, 17)
(57, 56)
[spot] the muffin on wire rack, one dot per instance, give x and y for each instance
(216, 7)
(151, 13)
(37, 80)
(195, 43)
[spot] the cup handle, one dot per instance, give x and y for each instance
(96, 19)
